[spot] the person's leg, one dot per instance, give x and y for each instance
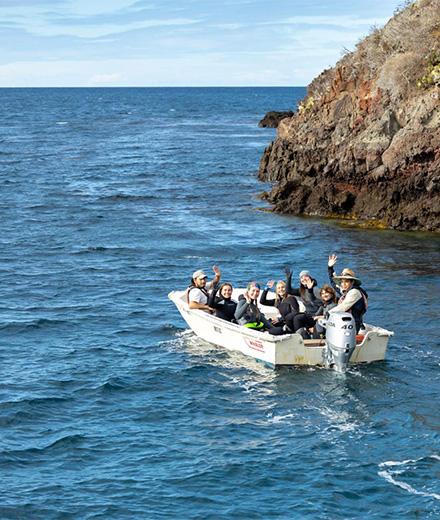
(276, 331)
(304, 333)
(299, 321)
(318, 331)
(303, 320)
(289, 321)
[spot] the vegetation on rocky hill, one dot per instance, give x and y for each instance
(365, 142)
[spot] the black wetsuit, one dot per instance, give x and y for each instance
(288, 307)
(311, 299)
(224, 307)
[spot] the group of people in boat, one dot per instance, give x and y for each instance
(343, 294)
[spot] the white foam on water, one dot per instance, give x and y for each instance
(389, 475)
(62, 123)
(339, 419)
(186, 332)
(280, 418)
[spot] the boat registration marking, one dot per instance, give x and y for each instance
(255, 344)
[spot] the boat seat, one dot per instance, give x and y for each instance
(321, 342)
(314, 342)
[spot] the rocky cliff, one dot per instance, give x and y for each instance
(365, 142)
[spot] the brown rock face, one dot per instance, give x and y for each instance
(365, 142)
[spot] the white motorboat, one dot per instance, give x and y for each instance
(341, 347)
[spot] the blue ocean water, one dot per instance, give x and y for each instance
(109, 407)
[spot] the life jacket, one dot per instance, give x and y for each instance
(256, 325)
(191, 287)
(359, 308)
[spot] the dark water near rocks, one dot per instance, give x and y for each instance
(109, 407)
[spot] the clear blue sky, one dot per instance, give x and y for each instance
(178, 42)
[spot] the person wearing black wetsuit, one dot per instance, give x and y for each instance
(286, 304)
(249, 315)
(308, 291)
(220, 300)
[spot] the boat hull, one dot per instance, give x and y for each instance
(286, 350)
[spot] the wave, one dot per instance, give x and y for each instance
(39, 323)
(22, 455)
(394, 473)
(32, 401)
(22, 412)
(127, 197)
(107, 249)
(55, 308)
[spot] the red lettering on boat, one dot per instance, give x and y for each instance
(255, 344)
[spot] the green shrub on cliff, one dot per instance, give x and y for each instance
(432, 76)
(306, 104)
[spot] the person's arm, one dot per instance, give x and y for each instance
(263, 297)
(289, 288)
(331, 271)
(288, 279)
(217, 276)
(352, 297)
(212, 298)
(194, 302)
(316, 293)
(199, 306)
(242, 306)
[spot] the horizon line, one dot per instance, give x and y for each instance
(151, 86)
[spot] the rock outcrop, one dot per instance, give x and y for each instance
(272, 119)
(365, 142)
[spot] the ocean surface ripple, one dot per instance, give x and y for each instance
(109, 406)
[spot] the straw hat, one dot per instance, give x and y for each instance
(347, 274)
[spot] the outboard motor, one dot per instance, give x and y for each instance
(340, 339)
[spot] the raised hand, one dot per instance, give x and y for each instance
(270, 283)
(216, 270)
(332, 260)
(287, 270)
(309, 282)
